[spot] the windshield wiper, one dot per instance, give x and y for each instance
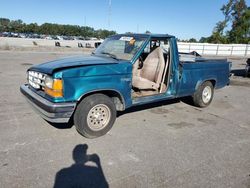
(110, 55)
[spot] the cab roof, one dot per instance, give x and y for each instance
(146, 35)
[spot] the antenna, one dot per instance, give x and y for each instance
(109, 14)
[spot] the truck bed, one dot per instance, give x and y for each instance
(195, 57)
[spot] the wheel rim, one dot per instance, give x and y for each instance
(98, 117)
(206, 94)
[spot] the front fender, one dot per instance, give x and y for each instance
(76, 88)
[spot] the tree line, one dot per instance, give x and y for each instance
(18, 26)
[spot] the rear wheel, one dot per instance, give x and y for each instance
(95, 115)
(247, 74)
(203, 96)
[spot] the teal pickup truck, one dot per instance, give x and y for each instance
(124, 71)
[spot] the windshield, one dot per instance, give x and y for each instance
(120, 47)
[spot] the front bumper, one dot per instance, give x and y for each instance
(52, 112)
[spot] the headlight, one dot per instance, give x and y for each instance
(53, 87)
(48, 82)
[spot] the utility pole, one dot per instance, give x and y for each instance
(109, 14)
(85, 21)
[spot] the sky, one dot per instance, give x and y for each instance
(182, 18)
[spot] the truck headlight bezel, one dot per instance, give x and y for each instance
(53, 87)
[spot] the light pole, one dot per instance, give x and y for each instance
(109, 14)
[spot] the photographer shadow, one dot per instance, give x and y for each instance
(81, 174)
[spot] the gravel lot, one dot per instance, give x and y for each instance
(160, 145)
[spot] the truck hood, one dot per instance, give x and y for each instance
(53, 66)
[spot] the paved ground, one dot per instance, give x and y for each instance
(170, 145)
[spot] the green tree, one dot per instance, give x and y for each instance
(241, 30)
(4, 23)
(192, 40)
(235, 13)
(103, 33)
(31, 28)
(203, 40)
(240, 23)
(226, 10)
(87, 31)
(217, 38)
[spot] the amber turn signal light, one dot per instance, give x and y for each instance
(57, 89)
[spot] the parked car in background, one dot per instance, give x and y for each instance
(7, 34)
(22, 35)
(78, 38)
(48, 37)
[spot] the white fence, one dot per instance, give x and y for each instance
(242, 50)
(23, 42)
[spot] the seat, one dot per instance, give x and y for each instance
(150, 76)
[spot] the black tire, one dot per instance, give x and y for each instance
(86, 107)
(247, 74)
(198, 100)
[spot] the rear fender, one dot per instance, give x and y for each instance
(213, 80)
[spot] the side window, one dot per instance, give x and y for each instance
(154, 43)
(147, 48)
(163, 43)
(165, 46)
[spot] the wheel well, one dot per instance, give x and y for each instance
(201, 82)
(114, 95)
(212, 81)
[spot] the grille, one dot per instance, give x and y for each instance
(36, 79)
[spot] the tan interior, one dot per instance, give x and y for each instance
(149, 79)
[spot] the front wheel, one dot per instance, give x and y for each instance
(95, 115)
(203, 96)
